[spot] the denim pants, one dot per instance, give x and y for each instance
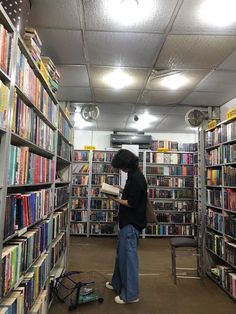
(125, 279)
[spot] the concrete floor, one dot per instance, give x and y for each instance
(158, 294)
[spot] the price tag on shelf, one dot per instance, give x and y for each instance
(231, 114)
(211, 125)
(164, 149)
(86, 147)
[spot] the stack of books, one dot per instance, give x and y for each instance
(33, 43)
(53, 74)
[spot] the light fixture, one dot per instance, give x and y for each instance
(219, 13)
(129, 12)
(144, 121)
(174, 81)
(80, 123)
(118, 79)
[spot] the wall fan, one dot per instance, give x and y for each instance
(195, 117)
(90, 112)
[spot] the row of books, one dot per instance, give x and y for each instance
(30, 85)
(103, 168)
(103, 156)
(82, 215)
(175, 218)
(175, 159)
(112, 179)
(33, 43)
(230, 252)
(5, 51)
(23, 210)
(171, 170)
(230, 199)
(214, 177)
(29, 168)
(229, 176)
(174, 146)
(27, 124)
(175, 206)
(213, 137)
(81, 191)
(230, 226)
(59, 222)
(19, 254)
(214, 197)
(80, 168)
(58, 248)
(78, 228)
(229, 131)
(174, 194)
(53, 74)
(4, 96)
(61, 196)
(169, 230)
(215, 243)
(81, 155)
(80, 179)
(103, 229)
(63, 149)
(94, 204)
(102, 216)
(214, 157)
(64, 127)
(226, 277)
(229, 153)
(215, 220)
(170, 182)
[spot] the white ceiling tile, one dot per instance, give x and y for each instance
(55, 13)
(190, 20)
(207, 99)
(74, 94)
(122, 49)
(113, 117)
(157, 117)
(195, 51)
(97, 74)
(73, 75)
(229, 63)
(162, 97)
(153, 110)
(111, 125)
(112, 95)
(172, 124)
(97, 16)
(115, 108)
(219, 81)
(62, 46)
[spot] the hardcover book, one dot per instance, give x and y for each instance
(110, 189)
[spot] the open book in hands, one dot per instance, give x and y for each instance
(110, 189)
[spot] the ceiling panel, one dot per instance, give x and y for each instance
(229, 63)
(162, 97)
(55, 13)
(192, 77)
(97, 16)
(76, 94)
(156, 110)
(115, 108)
(73, 75)
(219, 81)
(110, 125)
(173, 124)
(62, 46)
(116, 117)
(195, 51)
(122, 49)
(190, 20)
(111, 95)
(139, 76)
(207, 99)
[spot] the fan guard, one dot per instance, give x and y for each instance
(90, 112)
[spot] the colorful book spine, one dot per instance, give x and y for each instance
(214, 197)
(103, 156)
(215, 243)
(214, 177)
(181, 206)
(64, 127)
(213, 137)
(61, 196)
(103, 168)
(226, 277)
(4, 95)
(63, 149)
(214, 157)
(60, 220)
(80, 191)
(169, 230)
(81, 155)
(230, 199)
(78, 228)
(5, 50)
(110, 179)
(58, 248)
(215, 220)
(103, 229)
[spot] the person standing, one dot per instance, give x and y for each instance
(132, 219)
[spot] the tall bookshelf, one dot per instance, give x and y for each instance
(220, 160)
(169, 176)
(34, 230)
(92, 214)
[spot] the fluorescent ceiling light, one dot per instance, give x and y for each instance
(144, 121)
(174, 81)
(129, 12)
(118, 79)
(218, 12)
(80, 123)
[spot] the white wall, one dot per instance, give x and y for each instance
(226, 107)
(101, 139)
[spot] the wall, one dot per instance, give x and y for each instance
(101, 139)
(226, 107)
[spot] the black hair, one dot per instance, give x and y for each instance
(125, 159)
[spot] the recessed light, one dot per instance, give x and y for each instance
(218, 12)
(129, 12)
(174, 81)
(80, 123)
(144, 121)
(118, 79)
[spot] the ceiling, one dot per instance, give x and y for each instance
(86, 43)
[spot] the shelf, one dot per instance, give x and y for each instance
(229, 236)
(229, 187)
(173, 211)
(79, 197)
(31, 105)
(218, 283)
(215, 230)
(159, 187)
(103, 222)
(20, 141)
(168, 175)
(105, 210)
(60, 206)
(172, 152)
(102, 234)
(174, 223)
(215, 166)
(105, 174)
(214, 186)
(228, 142)
(230, 211)
(2, 130)
(168, 235)
(233, 266)
(80, 161)
(216, 207)
(63, 160)
(171, 199)
(65, 116)
(212, 146)
(101, 162)
(81, 174)
(74, 184)
(78, 234)
(64, 138)
(165, 164)
(28, 185)
(4, 77)
(62, 183)
(78, 221)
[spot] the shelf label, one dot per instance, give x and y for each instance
(163, 149)
(231, 114)
(86, 147)
(211, 125)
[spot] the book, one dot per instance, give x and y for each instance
(110, 189)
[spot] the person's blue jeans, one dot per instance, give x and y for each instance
(125, 279)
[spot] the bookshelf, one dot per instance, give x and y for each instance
(91, 213)
(220, 234)
(35, 177)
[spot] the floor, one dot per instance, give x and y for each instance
(158, 294)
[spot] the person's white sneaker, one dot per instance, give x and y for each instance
(120, 301)
(109, 286)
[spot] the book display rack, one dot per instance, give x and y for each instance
(35, 178)
(220, 160)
